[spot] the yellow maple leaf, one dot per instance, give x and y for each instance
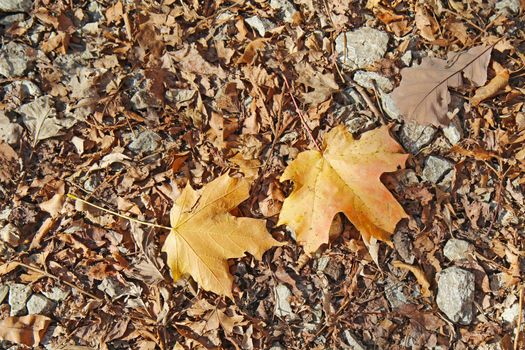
(344, 177)
(205, 235)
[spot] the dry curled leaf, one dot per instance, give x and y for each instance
(423, 94)
(205, 235)
(495, 85)
(345, 178)
(419, 274)
(27, 330)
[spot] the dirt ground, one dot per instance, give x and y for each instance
(125, 103)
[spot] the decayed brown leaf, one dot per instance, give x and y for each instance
(27, 330)
(205, 235)
(344, 178)
(423, 94)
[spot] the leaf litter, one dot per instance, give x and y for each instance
(134, 107)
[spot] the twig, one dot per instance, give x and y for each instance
(301, 115)
(56, 278)
(119, 215)
(520, 318)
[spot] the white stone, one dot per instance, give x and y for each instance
(502, 6)
(456, 294)
(56, 294)
(282, 305)
(414, 137)
(14, 59)
(436, 168)
(457, 249)
(39, 305)
(261, 25)
(367, 79)
(15, 5)
(18, 295)
(362, 47)
(146, 142)
(287, 8)
(453, 132)
(407, 58)
(510, 314)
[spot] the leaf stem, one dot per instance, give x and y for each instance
(72, 196)
(301, 115)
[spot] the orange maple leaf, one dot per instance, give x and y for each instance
(204, 235)
(344, 177)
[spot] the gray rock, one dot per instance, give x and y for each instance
(286, 7)
(510, 314)
(282, 305)
(503, 6)
(353, 341)
(146, 142)
(457, 249)
(18, 295)
(436, 168)
(261, 25)
(414, 137)
(56, 294)
(367, 79)
(364, 47)
(389, 106)
(10, 235)
(456, 294)
(4, 289)
(407, 58)
(14, 59)
(15, 5)
(10, 19)
(143, 99)
(453, 132)
(39, 305)
(26, 87)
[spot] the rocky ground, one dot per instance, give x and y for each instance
(123, 103)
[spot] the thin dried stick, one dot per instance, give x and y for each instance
(119, 215)
(301, 115)
(520, 318)
(47, 274)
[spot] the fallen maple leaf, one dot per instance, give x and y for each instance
(27, 330)
(345, 178)
(205, 235)
(423, 94)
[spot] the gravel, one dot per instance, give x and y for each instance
(457, 249)
(14, 60)
(146, 142)
(364, 47)
(414, 137)
(39, 305)
(367, 80)
(287, 8)
(282, 305)
(56, 294)
(15, 5)
(455, 296)
(436, 168)
(18, 295)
